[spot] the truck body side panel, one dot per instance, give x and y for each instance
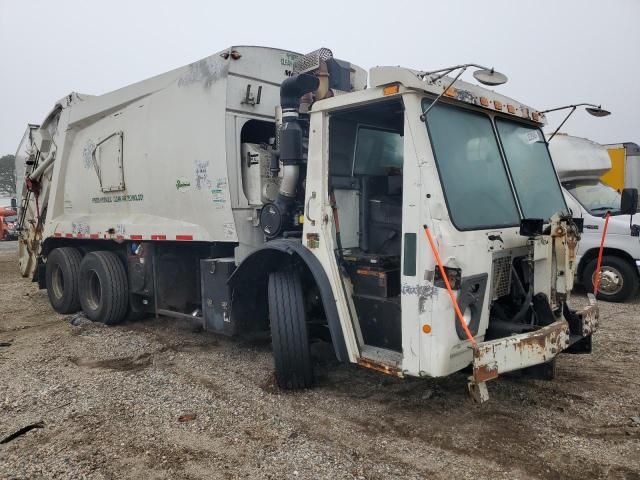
(178, 177)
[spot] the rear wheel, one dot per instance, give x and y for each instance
(104, 291)
(618, 279)
(289, 335)
(62, 276)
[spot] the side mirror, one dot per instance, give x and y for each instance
(14, 204)
(629, 201)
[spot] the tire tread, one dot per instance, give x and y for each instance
(289, 331)
(69, 258)
(115, 293)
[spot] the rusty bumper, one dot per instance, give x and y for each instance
(589, 317)
(527, 349)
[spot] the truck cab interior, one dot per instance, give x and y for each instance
(365, 169)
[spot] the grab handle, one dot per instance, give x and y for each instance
(306, 209)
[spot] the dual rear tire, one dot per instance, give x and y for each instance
(96, 283)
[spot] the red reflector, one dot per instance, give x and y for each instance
(68, 235)
(158, 237)
(79, 235)
(57, 234)
(135, 237)
(184, 237)
(94, 236)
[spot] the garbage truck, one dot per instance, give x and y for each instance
(411, 220)
(582, 166)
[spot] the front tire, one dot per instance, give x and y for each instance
(618, 279)
(104, 290)
(290, 340)
(62, 277)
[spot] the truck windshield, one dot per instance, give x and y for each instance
(474, 176)
(532, 172)
(474, 179)
(595, 196)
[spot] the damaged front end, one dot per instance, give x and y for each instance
(533, 323)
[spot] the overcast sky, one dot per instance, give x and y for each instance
(554, 52)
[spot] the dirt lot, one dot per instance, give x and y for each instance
(110, 401)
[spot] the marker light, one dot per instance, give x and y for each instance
(391, 89)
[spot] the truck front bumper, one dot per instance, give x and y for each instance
(527, 349)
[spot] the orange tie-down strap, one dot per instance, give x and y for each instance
(596, 281)
(448, 285)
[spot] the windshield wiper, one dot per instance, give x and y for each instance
(605, 209)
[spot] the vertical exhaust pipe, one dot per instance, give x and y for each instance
(276, 217)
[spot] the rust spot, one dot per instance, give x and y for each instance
(380, 367)
(543, 337)
(484, 373)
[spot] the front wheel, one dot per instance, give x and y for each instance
(618, 278)
(289, 337)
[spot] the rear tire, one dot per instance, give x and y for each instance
(104, 290)
(62, 277)
(290, 340)
(623, 281)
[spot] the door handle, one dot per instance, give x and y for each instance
(306, 209)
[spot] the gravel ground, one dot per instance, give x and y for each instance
(155, 400)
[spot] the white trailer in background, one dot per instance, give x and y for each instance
(581, 165)
(262, 190)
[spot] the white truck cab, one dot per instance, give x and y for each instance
(580, 164)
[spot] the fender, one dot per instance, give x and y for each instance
(271, 256)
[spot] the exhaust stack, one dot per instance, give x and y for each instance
(276, 217)
(318, 75)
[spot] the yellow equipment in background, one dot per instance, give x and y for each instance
(625, 166)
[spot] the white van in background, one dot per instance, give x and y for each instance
(580, 164)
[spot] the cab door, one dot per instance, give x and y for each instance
(354, 221)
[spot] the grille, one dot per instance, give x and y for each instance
(311, 61)
(501, 279)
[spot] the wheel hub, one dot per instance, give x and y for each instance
(610, 281)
